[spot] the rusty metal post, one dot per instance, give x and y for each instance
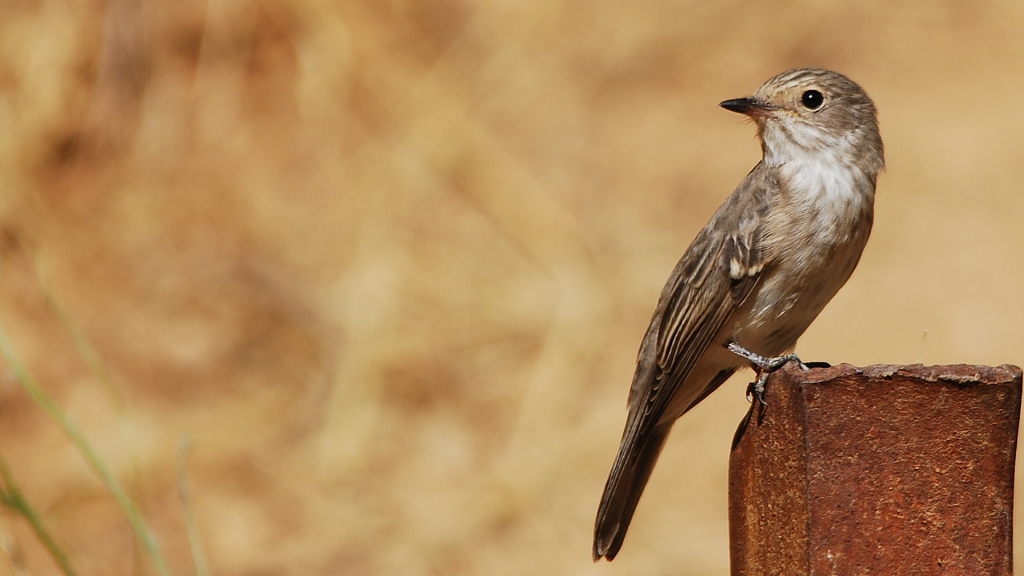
(880, 470)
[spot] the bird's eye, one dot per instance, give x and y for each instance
(812, 99)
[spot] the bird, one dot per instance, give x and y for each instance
(759, 272)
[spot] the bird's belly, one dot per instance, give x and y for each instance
(788, 298)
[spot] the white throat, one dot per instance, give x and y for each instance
(818, 169)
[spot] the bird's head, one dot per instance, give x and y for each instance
(811, 111)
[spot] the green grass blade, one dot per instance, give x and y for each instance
(11, 497)
(142, 531)
(85, 349)
(195, 541)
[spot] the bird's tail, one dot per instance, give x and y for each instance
(626, 482)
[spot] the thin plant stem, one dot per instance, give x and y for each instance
(94, 362)
(11, 497)
(81, 342)
(142, 531)
(195, 541)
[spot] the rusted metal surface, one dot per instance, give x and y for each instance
(881, 470)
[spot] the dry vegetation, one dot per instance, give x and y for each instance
(387, 263)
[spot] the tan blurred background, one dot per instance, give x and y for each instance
(388, 263)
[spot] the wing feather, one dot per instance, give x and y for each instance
(716, 274)
(713, 277)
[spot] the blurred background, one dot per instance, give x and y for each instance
(386, 265)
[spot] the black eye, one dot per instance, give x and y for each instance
(812, 99)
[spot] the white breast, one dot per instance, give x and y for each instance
(815, 234)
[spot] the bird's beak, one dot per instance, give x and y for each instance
(750, 106)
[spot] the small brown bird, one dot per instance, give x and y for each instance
(760, 271)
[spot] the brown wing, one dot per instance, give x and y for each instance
(715, 275)
(717, 272)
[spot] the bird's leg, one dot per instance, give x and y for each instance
(769, 364)
(764, 366)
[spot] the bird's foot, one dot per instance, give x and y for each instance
(764, 363)
(764, 366)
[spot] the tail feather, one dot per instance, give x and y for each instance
(629, 475)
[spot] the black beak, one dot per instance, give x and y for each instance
(749, 106)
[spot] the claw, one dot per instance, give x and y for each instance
(755, 390)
